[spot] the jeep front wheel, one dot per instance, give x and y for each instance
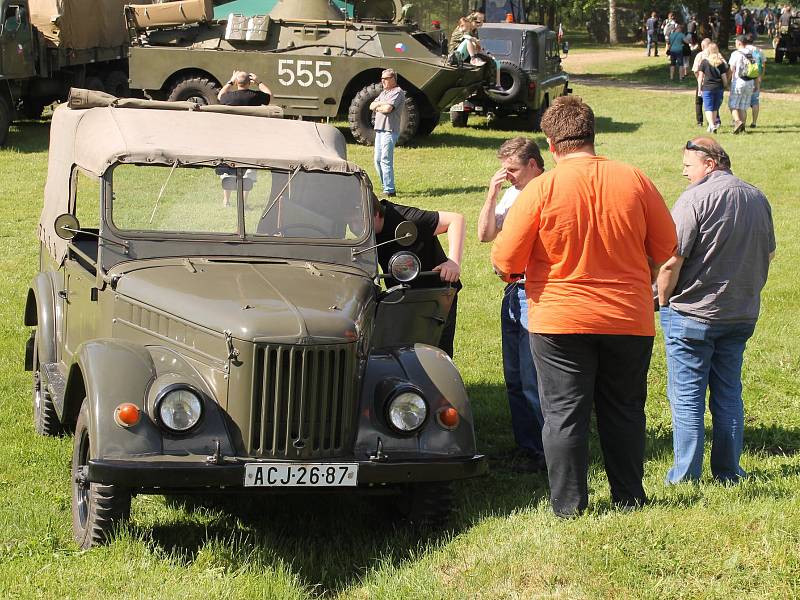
(96, 508)
(362, 119)
(199, 90)
(45, 418)
(425, 504)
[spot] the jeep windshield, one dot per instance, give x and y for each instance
(235, 202)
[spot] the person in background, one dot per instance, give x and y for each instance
(667, 28)
(741, 87)
(237, 92)
(387, 108)
(589, 235)
(675, 51)
(520, 163)
(709, 298)
(755, 99)
(712, 79)
(698, 99)
(651, 33)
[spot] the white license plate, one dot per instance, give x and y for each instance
(457, 107)
(300, 474)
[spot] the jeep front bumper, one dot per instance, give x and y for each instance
(148, 474)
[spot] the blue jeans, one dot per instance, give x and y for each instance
(704, 356)
(652, 41)
(384, 158)
(520, 373)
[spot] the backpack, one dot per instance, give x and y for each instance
(750, 70)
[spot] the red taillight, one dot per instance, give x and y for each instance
(127, 414)
(531, 90)
(448, 417)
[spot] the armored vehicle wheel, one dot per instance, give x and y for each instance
(45, 418)
(778, 56)
(5, 120)
(96, 508)
(116, 84)
(426, 504)
(199, 90)
(514, 80)
(459, 118)
(428, 124)
(362, 120)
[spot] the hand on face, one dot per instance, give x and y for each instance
(496, 182)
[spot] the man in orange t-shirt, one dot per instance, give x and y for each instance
(589, 237)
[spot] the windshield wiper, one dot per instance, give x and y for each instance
(161, 193)
(279, 194)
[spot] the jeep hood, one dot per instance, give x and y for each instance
(265, 301)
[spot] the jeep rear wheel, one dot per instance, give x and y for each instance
(362, 119)
(425, 504)
(199, 90)
(96, 508)
(459, 118)
(45, 418)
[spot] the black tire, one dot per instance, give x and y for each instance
(94, 83)
(362, 119)
(792, 58)
(428, 505)
(5, 120)
(533, 119)
(116, 84)
(428, 124)
(459, 118)
(96, 509)
(32, 109)
(778, 56)
(514, 80)
(45, 417)
(200, 90)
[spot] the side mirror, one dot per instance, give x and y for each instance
(406, 233)
(66, 226)
(565, 48)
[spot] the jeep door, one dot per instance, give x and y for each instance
(407, 316)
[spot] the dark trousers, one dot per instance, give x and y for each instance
(576, 372)
(698, 108)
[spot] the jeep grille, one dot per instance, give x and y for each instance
(303, 400)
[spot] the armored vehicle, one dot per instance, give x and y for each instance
(209, 316)
(318, 62)
(530, 73)
(788, 42)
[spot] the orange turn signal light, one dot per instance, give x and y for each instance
(127, 414)
(448, 417)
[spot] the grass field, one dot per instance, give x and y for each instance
(703, 540)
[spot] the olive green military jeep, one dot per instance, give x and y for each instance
(208, 317)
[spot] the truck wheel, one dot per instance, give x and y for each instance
(459, 118)
(428, 124)
(5, 120)
(32, 109)
(426, 504)
(116, 84)
(514, 80)
(778, 56)
(362, 120)
(199, 90)
(94, 83)
(96, 508)
(45, 417)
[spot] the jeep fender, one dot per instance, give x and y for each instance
(40, 313)
(431, 371)
(109, 372)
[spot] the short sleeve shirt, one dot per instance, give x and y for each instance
(725, 234)
(245, 98)
(391, 121)
(712, 76)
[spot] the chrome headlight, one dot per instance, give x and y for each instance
(179, 408)
(407, 411)
(404, 266)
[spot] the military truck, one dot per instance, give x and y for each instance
(46, 46)
(318, 62)
(209, 317)
(788, 42)
(530, 73)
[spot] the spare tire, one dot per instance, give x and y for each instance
(362, 119)
(200, 90)
(514, 80)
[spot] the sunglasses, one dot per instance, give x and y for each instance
(716, 155)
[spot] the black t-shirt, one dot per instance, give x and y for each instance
(712, 76)
(245, 98)
(426, 246)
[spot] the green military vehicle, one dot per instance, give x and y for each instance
(47, 46)
(208, 316)
(318, 62)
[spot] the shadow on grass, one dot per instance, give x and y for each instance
(29, 136)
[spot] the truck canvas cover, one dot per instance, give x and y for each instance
(80, 24)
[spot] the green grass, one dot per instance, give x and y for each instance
(694, 540)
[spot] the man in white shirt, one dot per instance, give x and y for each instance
(741, 87)
(521, 162)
